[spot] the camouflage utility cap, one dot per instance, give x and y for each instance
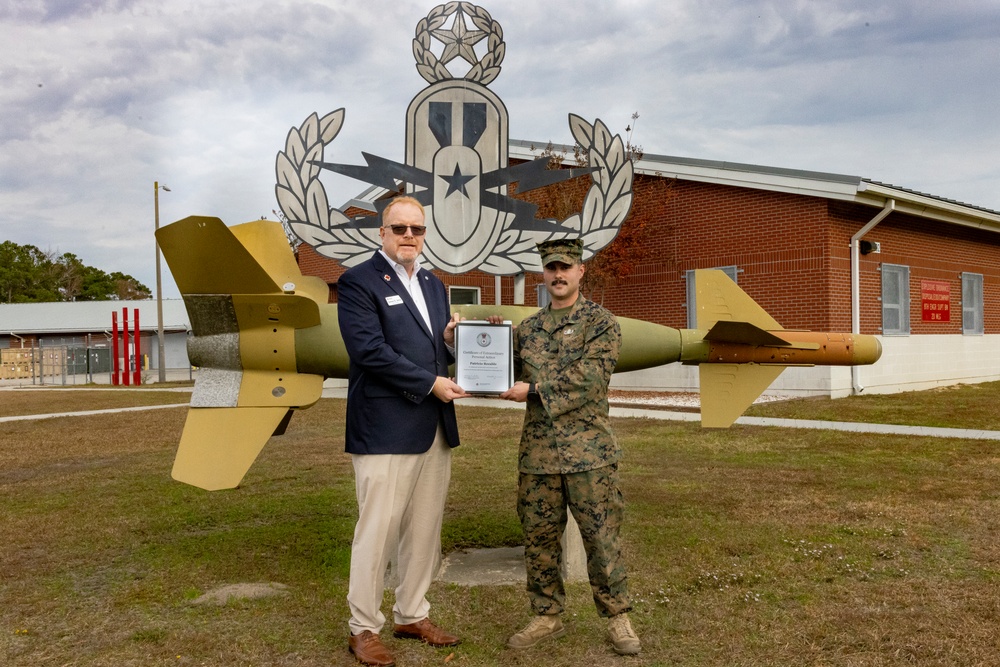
(567, 251)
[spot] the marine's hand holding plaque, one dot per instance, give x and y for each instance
(484, 359)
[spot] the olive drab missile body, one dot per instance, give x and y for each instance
(265, 338)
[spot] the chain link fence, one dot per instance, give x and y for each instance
(68, 362)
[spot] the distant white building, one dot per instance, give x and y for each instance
(87, 325)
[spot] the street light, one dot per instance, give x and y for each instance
(160, 355)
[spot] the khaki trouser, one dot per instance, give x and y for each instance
(400, 509)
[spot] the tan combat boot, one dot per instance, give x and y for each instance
(622, 636)
(548, 626)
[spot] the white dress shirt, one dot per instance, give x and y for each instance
(412, 285)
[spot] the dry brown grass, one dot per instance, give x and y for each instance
(48, 400)
(750, 546)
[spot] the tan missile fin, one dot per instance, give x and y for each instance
(718, 298)
(266, 242)
(205, 257)
(727, 390)
(219, 445)
(246, 298)
(729, 313)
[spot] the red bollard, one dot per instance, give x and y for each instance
(126, 375)
(114, 351)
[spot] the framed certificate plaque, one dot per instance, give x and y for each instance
(484, 356)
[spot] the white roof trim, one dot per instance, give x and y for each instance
(927, 206)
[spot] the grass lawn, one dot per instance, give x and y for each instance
(46, 401)
(747, 546)
(972, 406)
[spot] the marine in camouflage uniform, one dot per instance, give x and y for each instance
(568, 458)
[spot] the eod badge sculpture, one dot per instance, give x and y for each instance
(265, 338)
(456, 166)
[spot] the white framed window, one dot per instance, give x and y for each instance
(895, 300)
(544, 298)
(463, 296)
(691, 295)
(972, 304)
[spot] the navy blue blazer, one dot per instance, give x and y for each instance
(394, 361)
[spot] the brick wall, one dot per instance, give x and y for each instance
(933, 251)
(792, 252)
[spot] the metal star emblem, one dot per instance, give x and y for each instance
(456, 182)
(459, 41)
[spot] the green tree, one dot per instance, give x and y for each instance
(128, 288)
(28, 275)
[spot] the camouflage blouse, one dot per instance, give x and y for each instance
(566, 425)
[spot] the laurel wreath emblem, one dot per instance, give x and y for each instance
(303, 200)
(609, 199)
(605, 207)
(433, 70)
(302, 196)
(304, 203)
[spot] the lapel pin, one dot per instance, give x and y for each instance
(386, 277)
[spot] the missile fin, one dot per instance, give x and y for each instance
(219, 445)
(267, 244)
(205, 257)
(718, 298)
(729, 389)
(246, 298)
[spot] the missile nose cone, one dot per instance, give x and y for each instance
(867, 349)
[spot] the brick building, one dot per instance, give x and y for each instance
(818, 251)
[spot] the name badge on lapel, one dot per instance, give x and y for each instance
(394, 300)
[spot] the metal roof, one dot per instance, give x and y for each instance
(87, 316)
(797, 181)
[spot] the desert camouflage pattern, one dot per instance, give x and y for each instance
(566, 426)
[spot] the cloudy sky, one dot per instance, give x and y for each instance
(100, 98)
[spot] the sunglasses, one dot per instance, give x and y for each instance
(416, 230)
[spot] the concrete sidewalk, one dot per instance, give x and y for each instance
(854, 427)
(671, 415)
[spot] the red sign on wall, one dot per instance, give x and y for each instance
(935, 300)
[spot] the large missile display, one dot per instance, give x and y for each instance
(264, 339)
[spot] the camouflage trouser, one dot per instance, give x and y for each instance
(598, 507)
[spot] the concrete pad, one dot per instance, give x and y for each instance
(484, 567)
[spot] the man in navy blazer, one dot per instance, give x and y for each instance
(401, 427)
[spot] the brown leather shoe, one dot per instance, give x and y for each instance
(426, 632)
(369, 650)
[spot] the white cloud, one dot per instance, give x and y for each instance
(100, 99)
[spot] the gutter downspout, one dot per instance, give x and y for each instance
(18, 338)
(889, 207)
